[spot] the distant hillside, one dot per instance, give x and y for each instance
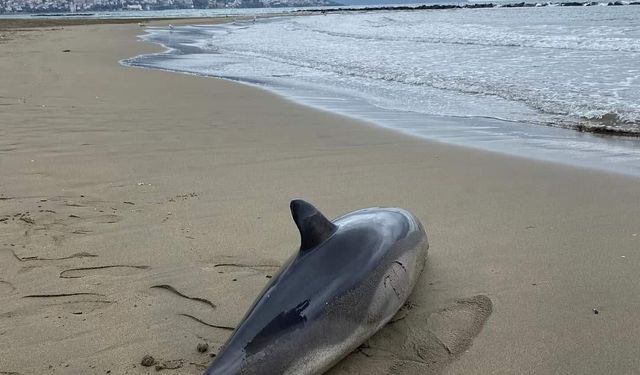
(83, 6)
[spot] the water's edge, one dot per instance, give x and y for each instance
(586, 150)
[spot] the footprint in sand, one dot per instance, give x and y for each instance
(106, 219)
(267, 269)
(75, 255)
(9, 267)
(6, 288)
(101, 219)
(78, 303)
(54, 221)
(12, 264)
(416, 342)
(110, 270)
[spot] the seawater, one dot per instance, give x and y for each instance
(515, 80)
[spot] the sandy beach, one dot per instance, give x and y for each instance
(141, 212)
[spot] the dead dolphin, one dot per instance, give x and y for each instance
(347, 280)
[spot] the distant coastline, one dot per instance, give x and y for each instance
(68, 8)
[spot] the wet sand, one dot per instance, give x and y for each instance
(141, 212)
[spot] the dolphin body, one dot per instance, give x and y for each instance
(348, 279)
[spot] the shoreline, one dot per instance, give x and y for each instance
(592, 147)
(164, 191)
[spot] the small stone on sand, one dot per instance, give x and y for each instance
(203, 347)
(148, 361)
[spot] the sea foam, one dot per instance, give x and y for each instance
(513, 72)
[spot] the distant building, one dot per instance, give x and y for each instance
(43, 6)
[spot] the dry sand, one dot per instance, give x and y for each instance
(138, 209)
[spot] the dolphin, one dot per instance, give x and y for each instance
(347, 280)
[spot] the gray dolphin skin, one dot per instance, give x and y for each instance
(346, 281)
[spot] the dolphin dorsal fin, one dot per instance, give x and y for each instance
(313, 226)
